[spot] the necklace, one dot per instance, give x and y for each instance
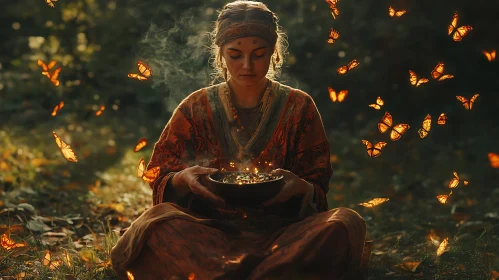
(235, 114)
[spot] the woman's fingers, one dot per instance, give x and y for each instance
(199, 189)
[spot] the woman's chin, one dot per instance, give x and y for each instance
(248, 81)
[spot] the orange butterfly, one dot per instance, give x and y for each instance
(425, 129)
(66, 149)
(438, 72)
(374, 151)
(57, 108)
(144, 70)
(442, 119)
(490, 55)
(101, 109)
(333, 36)
(468, 104)
(374, 202)
(337, 97)
(454, 182)
(147, 175)
(343, 69)
(379, 103)
(334, 10)
(442, 247)
(397, 130)
(50, 3)
(392, 12)
(140, 144)
(46, 68)
(494, 160)
(460, 32)
(413, 79)
(443, 198)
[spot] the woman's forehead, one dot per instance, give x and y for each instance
(247, 43)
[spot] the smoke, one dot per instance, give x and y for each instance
(178, 56)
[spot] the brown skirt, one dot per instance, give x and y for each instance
(168, 240)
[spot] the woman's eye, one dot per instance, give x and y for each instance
(235, 57)
(259, 54)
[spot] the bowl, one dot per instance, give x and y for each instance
(245, 194)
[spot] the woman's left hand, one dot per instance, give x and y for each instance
(293, 185)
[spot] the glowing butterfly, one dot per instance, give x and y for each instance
(333, 36)
(494, 160)
(490, 55)
(66, 149)
(343, 69)
(459, 32)
(145, 72)
(130, 275)
(57, 108)
(9, 244)
(438, 72)
(147, 175)
(334, 10)
(442, 247)
(374, 151)
(442, 119)
(425, 129)
(50, 3)
(374, 202)
(455, 181)
(46, 71)
(337, 96)
(53, 265)
(443, 198)
(397, 130)
(468, 104)
(101, 109)
(413, 79)
(140, 144)
(392, 12)
(379, 103)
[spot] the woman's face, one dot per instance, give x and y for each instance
(247, 60)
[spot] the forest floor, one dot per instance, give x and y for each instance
(66, 216)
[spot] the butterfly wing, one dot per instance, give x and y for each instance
(413, 78)
(400, 13)
(144, 69)
(490, 55)
(335, 11)
(461, 32)
(494, 160)
(354, 63)
(438, 70)
(442, 119)
(376, 151)
(380, 101)
(332, 94)
(385, 123)
(54, 76)
(141, 168)
(442, 247)
(140, 144)
(66, 149)
(453, 23)
(422, 81)
(42, 64)
(472, 100)
(375, 106)
(445, 77)
(374, 202)
(51, 64)
(342, 95)
(151, 174)
(398, 130)
(333, 36)
(137, 76)
(443, 198)
(391, 11)
(101, 109)
(464, 101)
(425, 129)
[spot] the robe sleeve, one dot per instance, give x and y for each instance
(311, 155)
(172, 152)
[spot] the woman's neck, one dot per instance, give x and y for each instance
(244, 97)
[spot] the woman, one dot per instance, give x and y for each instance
(249, 121)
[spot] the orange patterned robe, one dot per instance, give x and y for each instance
(182, 236)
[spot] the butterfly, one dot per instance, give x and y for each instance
(66, 149)
(50, 3)
(337, 97)
(442, 247)
(490, 55)
(413, 79)
(145, 72)
(343, 69)
(442, 119)
(438, 72)
(53, 265)
(454, 182)
(379, 103)
(334, 10)
(425, 129)
(494, 160)
(397, 130)
(57, 108)
(140, 144)
(374, 202)
(46, 68)
(443, 198)
(374, 151)
(333, 36)
(459, 32)
(147, 175)
(101, 109)
(468, 104)
(392, 12)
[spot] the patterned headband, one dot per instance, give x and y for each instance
(237, 30)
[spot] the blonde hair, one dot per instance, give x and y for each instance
(238, 13)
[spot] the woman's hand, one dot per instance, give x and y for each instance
(190, 178)
(293, 185)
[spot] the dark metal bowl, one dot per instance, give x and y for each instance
(250, 194)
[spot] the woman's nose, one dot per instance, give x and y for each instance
(248, 63)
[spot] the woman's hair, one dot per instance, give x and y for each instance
(231, 23)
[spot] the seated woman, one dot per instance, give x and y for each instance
(248, 121)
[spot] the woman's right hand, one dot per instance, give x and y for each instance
(191, 177)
